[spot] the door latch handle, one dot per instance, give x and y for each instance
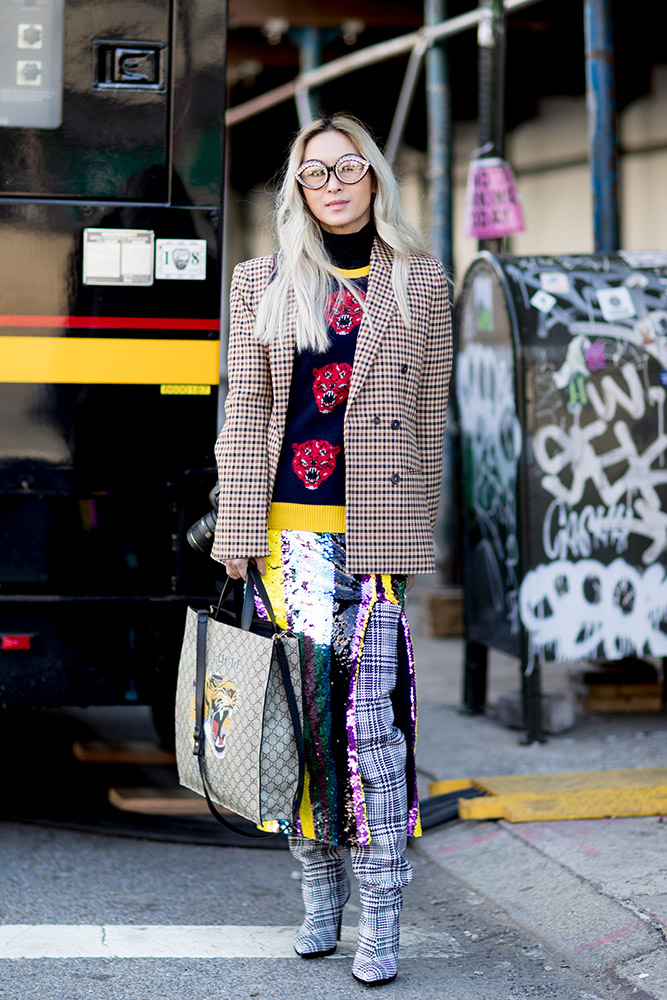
(135, 65)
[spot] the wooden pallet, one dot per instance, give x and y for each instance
(171, 800)
(619, 698)
(442, 612)
(164, 799)
(160, 801)
(626, 698)
(99, 752)
(627, 686)
(522, 798)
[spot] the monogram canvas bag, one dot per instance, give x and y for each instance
(239, 738)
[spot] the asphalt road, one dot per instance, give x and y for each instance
(455, 944)
(570, 911)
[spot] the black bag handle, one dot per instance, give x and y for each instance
(254, 581)
(247, 604)
(255, 577)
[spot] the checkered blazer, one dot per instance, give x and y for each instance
(394, 422)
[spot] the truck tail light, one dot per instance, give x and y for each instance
(15, 641)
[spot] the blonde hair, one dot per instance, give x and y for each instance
(304, 272)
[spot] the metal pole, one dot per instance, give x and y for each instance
(439, 174)
(601, 105)
(310, 57)
(439, 119)
(491, 98)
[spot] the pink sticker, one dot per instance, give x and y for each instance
(493, 208)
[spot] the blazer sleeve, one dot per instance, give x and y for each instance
(241, 448)
(434, 390)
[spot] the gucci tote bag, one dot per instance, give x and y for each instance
(239, 737)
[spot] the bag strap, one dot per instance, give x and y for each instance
(253, 583)
(199, 734)
(296, 722)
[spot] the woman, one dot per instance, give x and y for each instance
(329, 465)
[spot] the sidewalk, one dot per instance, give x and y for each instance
(594, 892)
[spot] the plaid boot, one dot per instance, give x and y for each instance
(381, 866)
(376, 960)
(326, 889)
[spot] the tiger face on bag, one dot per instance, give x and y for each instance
(219, 704)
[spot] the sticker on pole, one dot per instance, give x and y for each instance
(493, 208)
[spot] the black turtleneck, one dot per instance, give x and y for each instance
(350, 250)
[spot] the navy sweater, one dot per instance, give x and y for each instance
(309, 491)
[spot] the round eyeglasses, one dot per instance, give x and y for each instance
(350, 168)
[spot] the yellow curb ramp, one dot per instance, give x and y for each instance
(524, 798)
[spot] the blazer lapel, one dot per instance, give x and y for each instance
(281, 354)
(380, 305)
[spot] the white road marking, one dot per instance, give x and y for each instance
(190, 941)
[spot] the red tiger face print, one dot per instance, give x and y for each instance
(343, 311)
(314, 461)
(331, 385)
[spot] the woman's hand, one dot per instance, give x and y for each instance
(409, 581)
(237, 569)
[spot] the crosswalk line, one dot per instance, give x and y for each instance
(190, 941)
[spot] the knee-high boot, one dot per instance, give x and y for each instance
(326, 889)
(376, 960)
(381, 866)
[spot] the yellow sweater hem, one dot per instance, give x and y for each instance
(306, 517)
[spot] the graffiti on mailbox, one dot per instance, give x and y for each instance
(492, 435)
(604, 454)
(596, 355)
(587, 610)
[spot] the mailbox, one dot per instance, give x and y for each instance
(561, 383)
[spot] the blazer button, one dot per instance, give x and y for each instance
(395, 478)
(395, 424)
(376, 419)
(404, 369)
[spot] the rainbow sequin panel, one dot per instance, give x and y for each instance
(329, 610)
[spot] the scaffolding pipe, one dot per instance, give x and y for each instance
(439, 130)
(359, 60)
(310, 55)
(404, 103)
(491, 46)
(439, 174)
(601, 108)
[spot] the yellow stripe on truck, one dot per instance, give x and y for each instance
(109, 360)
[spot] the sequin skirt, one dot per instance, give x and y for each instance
(314, 596)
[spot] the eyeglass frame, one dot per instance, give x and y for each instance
(332, 170)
